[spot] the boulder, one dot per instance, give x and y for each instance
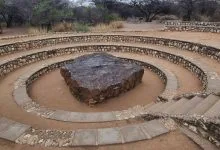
(97, 77)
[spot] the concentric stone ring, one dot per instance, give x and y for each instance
(22, 99)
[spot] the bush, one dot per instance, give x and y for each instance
(216, 16)
(111, 17)
(79, 27)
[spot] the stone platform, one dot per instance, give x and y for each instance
(96, 77)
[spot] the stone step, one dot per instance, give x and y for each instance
(175, 106)
(163, 106)
(4, 123)
(154, 107)
(85, 137)
(166, 105)
(109, 136)
(154, 128)
(188, 105)
(13, 129)
(206, 104)
(133, 133)
(214, 110)
(124, 134)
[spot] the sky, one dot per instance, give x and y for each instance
(87, 2)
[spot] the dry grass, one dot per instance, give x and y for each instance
(37, 30)
(163, 18)
(62, 27)
(115, 25)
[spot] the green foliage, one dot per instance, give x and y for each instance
(50, 11)
(79, 27)
(111, 17)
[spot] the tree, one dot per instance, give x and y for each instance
(15, 11)
(8, 11)
(150, 8)
(188, 6)
(1, 29)
(48, 12)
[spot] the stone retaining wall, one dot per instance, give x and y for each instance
(192, 23)
(24, 60)
(213, 27)
(192, 28)
(208, 51)
(208, 129)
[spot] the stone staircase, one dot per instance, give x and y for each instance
(207, 106)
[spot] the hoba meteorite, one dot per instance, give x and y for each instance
(96, 77)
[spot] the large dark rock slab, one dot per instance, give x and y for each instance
(96, 77)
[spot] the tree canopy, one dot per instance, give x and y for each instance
(50, 12)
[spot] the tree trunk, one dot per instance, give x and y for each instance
(1, 31)
(147, 18)
(9, 21)
(152, 17)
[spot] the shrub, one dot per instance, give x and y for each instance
(111, 17)
(79, 27)
(216, 16)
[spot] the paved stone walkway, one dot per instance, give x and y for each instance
(24, 134)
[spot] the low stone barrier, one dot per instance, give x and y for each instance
(24, 60)
(213, 27)
(192, 23)
(208, 51)
(193, 28)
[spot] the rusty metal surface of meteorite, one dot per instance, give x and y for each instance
(96, 77)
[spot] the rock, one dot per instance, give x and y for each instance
(96, 77)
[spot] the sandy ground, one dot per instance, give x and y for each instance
(172, 141)
(52, 91)
(152, 26)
